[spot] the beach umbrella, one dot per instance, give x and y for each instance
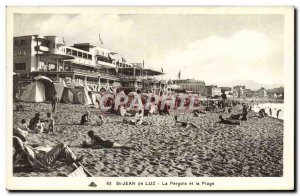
(133, 94)
(121, 93)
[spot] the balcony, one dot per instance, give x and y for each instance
(42, 48)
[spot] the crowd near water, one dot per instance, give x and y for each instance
(275, 110)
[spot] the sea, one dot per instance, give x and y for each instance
(274, 108)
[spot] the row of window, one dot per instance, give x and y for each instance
(78, 53)
(20, 66)
(21, 42)
(19, 53)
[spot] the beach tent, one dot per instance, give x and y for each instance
(38, 91)
(108, 91)
(95, 97)
(133, 94)
(67, 96)
(81, 96)
(135, 100)
(59, 88)
(121, 93)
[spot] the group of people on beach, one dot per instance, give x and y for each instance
(61, 152)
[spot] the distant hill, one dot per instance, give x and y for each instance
(250, 84)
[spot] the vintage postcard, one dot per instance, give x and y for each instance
(150, 98)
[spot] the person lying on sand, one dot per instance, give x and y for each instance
(61, 152)
(184, 124)
(85, 119)
(228, 121)
(198, 112)
(97, 142)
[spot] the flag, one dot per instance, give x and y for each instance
(109, 58)
(117, 67)
(123, 60)
(100, 39)
(162, 70)
(179, 74)
(63, 39)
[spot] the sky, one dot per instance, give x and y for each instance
(213, 48)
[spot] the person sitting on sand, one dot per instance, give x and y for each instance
(227, 121)
(225, 110)
(98, 142)
(262, 113)
(23, 126)
(139, 116)
(244, 113)
(184, 124)
(33, 122)
(138, 119)
(101, 119)
(49, 125)
(61, 152)
(85, 119)
(36, 124)
(123, 111)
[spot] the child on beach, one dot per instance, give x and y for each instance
(85, 119)
(35, 124)
(49, 123)
(54, 101)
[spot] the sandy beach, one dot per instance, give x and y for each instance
(253, 149)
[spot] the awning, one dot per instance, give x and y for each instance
(59, 56)
(42, 78)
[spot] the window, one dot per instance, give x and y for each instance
(80, 54)
(74, 52)
(20, 66)
(89, 56)
(68, 51)
(17, 42)
(46, 44)
(84, 55)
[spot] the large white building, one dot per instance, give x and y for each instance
(81, 63)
